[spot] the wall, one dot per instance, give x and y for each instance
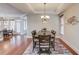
(34, 23)
(8, 10)
(72, 31)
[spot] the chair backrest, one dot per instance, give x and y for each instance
(53, 32)
(44, 38)
(33, 32)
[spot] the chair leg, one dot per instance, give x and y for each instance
(54, 45)
(34, 44)
(49, 47)
(49, 51)
(54, 48)
(33, 48)
(39, 51)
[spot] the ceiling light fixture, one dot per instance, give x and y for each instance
(45, 17)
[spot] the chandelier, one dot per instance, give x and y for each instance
(44, 17)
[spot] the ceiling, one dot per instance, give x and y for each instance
(38, 8)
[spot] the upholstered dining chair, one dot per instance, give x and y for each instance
(44, 43)
(35, 38)
(53, 39)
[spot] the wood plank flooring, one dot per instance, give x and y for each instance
(16, 46)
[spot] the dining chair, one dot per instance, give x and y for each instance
(35, 38)
(53, 39)
(44, 43)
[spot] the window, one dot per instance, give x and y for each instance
(18, 26)
(62, 25)
(6, 22)
(25, 25)
(12, 25)
(0, 25)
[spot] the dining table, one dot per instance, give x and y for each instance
(47, 32)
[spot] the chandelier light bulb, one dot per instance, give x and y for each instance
(42, 17)
(46, 17)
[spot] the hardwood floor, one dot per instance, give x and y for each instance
(61, 47)
(16, 46)
(68, 47)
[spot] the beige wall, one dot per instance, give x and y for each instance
(34, 22)
(72, 31)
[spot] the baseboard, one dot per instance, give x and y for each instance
(69, 47)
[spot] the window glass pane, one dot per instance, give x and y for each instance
(6, 23)
(62, 21)
(62, 30)
(0, 23)
(62, 25)
(25, 27)
(18, 26)
(12, 25)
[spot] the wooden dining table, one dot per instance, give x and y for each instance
(44, 32)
